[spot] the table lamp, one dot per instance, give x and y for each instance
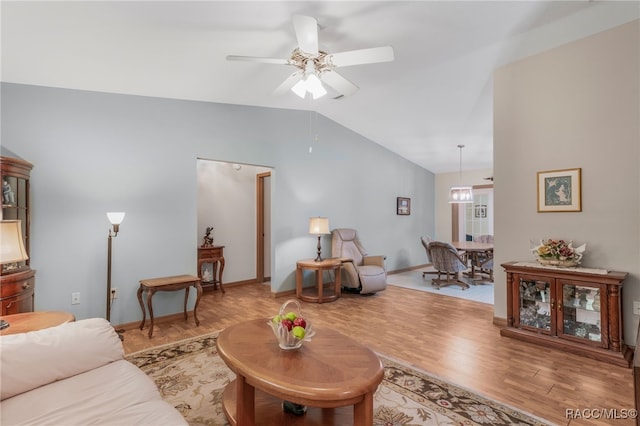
(12, 250)
(319, 226)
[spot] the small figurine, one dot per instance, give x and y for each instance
(208, 239)
(7, 193)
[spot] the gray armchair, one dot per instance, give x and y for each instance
(360, 273)
(447, 260)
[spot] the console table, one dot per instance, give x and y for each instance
(213, 255)
(174, 283)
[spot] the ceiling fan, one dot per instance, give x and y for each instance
(315, 66)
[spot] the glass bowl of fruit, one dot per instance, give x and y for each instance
(290, 326)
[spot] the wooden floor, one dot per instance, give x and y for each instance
(452, 338)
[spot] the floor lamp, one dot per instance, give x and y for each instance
(116, 219)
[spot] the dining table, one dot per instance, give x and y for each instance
(472, 249)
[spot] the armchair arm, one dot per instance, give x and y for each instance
(374, 260)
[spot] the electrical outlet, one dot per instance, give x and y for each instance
(114, 293)
(75, 298)
(636, 307)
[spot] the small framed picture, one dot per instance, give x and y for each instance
(560, 191)
(480, 211)
(403, 206)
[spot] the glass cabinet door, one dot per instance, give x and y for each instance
(535, 304)
(15, 207)
(581, 312)
(207, 272)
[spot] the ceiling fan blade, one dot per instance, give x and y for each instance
(288, 83)
(338, 83)
(258, 59)
(306, 29)
(362, 56)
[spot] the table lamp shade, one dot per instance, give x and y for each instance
(11, 242)
(319, 226)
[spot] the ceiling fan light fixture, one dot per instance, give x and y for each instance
(315, 87)
(300, 88)
(309, 83)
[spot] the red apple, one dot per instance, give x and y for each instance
(287, 323)
(300, 322)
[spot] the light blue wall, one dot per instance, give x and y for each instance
(94, 152)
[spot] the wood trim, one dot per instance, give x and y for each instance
(500, 322)
(260, 225)
(411, 268)
(455, 222)
(636, 374)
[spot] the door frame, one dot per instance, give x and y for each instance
(455, 214)
(260, 193)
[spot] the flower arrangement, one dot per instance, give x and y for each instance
(558, 252)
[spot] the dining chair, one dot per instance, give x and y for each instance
(483, 261)
(447, 260)
(425, 243)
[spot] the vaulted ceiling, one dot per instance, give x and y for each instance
(436, 94)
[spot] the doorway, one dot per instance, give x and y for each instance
(473, 219)
(235, 200)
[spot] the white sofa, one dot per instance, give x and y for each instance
(76, 374)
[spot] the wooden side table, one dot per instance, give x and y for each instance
(32, 321)
(213, 255)
(319, 294)
(174, 283)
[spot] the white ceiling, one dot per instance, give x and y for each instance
(435, 95)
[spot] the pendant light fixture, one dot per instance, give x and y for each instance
(461, 193)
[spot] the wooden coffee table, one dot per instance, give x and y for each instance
(326, 374)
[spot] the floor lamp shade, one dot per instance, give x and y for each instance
(12, 248)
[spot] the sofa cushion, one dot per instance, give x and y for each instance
(118, 393)
(34, 359)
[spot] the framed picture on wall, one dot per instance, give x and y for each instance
(480, 211)
(403, 206)
(560, 191)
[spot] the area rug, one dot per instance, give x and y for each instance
(481, 292)
(191, 376)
